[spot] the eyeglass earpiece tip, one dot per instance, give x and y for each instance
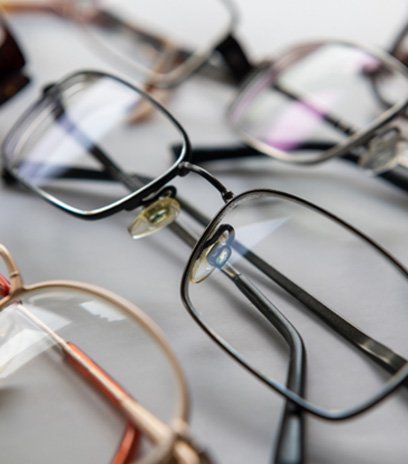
(154, 217)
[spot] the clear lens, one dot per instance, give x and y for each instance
(163, 39)
(313, 98)
(91, 142)
(313, 259)
(61, 416)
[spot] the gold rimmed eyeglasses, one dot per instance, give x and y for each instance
(80, 365)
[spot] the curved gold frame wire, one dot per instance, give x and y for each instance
(171, 440)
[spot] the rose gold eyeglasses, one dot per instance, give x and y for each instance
(80, 365)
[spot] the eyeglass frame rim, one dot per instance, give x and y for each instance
(182, 72)
(395, 380)
(359, 139)
(179, 423)
(130, 201)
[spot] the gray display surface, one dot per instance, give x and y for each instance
(232, 414)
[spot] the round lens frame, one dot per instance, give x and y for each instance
(169, 434)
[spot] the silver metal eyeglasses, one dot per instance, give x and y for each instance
(319, 101)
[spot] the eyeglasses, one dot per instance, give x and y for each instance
(307, 127)
(59, 340)
(292, 109)
(61, 123)
(12, 62)
(268, 118)
(308, 118)
(145, 37)
(297, 110)
(271, 276)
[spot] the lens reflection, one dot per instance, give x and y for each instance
(162, 40)
(50, 402)
(314, 265)
(92, 141)
(315, 96)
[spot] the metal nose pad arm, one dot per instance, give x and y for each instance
(158, 214)
(383, 151)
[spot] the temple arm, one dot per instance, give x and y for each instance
(397, 176)
(291, 438)
(130, 441)
(99, 379)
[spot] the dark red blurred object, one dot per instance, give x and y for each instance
(12, 62)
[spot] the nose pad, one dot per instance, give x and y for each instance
(219, 255)
(213, 256)
(154, 217)
(383, 151)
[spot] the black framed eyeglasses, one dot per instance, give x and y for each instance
(270, 266)
(84, 122)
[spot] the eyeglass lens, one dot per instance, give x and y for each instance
(307, 98)
(313, 262)
(93, 141)
(154, 35)
(48, 396)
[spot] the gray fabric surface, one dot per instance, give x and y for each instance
(232, 414)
